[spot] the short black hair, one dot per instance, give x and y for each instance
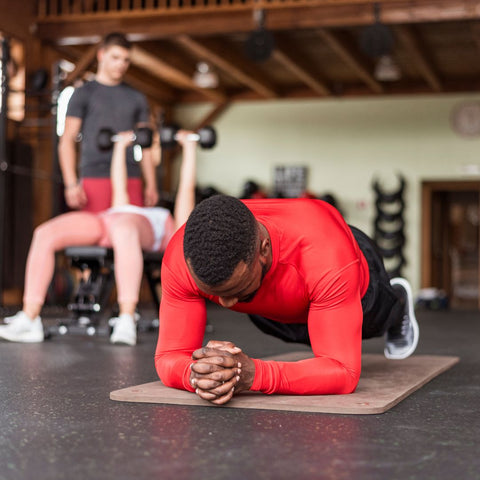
(116, 39)
(220, 232)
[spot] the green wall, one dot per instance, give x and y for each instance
(345, 144)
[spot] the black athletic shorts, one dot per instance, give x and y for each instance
(381, 306)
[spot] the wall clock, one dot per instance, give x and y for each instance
(465, 119)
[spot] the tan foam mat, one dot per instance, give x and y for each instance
(383, 384)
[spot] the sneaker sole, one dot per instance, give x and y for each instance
(120, 341)
(20, 339)
(413, 321)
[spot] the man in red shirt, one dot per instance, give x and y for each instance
(301, 273)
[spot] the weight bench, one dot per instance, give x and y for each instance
(96, 265)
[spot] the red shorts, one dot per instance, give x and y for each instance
(99, 193)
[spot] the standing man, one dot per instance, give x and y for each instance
(301, 274)
(105, 102)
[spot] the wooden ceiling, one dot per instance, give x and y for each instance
(317, 52)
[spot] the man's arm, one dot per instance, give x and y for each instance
(213, 372)
(181, 332)
(336, 336)
(67, 155)
(184, 317)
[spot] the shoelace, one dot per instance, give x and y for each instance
(405, 325)
(400, 331)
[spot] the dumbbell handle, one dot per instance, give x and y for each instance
(116, 137)
(195, 137)
(170, 136)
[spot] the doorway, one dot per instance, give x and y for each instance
(451, 240)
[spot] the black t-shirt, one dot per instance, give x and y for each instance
(119, 108)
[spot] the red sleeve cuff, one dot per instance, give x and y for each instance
(267, 376)
(257, 380)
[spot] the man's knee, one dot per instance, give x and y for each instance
(383, 310)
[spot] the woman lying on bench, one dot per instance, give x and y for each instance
(127, 229)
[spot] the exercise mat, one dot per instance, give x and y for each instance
(383, 384)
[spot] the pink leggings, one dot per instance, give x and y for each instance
(127, 233)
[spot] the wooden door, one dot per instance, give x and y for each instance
(451, 240)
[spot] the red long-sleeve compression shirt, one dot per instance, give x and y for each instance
(318, 276)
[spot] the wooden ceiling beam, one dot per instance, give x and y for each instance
(225, 60)
(157, 67)
(417, 53)
(343, 51)
(159, 94)
(82, 65)
(288, 63)
(15, 21)
(156, 24)
(362, 91)
(91, 7)
(284, 55)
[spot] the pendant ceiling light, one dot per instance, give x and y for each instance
(204, 76)
(376, 41)
(260, 43)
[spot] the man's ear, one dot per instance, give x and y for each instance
(100, 53)
(189, 265)
(265, 247)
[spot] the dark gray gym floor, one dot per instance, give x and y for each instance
(57, 420)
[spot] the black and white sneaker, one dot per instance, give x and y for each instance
(402, 338)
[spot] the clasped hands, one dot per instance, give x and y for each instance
(221, 370)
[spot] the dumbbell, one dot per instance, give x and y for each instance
(205, 136)
(141, 136)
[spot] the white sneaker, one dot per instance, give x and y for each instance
(401, 339)
(21, 328)
(124, 330)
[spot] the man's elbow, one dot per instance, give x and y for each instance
(162, 371)
(351, 383)
(168, 382)
(167, 374)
